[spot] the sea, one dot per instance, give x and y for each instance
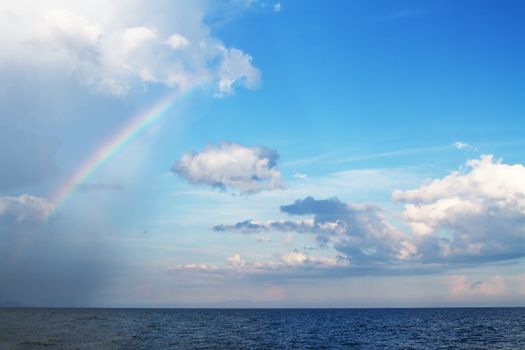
(440, 328)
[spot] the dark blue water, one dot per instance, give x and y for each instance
(484, 328)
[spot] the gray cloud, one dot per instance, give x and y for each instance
(246, 226)
(253, 227)
(230, 166)
(359, 231)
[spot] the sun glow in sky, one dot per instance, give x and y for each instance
(262, 154)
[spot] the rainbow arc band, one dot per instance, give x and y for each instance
(111, 146)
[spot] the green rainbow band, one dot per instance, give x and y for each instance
(109, 148)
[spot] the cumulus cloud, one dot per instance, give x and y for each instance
(115, 53)
(230, 166)
(25, 209)
(478, 212)
(472, 215)
(358, 231)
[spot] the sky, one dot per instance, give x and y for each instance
(252, 153)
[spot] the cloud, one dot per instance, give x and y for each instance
(254, 227)
(477, 213)
(246, 226)
(470, 216)
(460, 286)
(25, 209)
(177, 41)
(236, 261)
(464, 146)
(194, 268)
(300, 176)
(230, 166)
(295, 260)
(358, 231)
(277, 7)
(115, 53)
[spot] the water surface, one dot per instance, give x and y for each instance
(454, 328)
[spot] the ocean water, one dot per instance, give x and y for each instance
(455, 328)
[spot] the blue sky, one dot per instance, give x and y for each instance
(365, 153)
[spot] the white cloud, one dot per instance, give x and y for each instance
(194, 268)
(461, 145)
(133, 38)
(294, 258)
(124, 45)
(464, 146)
(236, 261)
(300, 176)
(481, 208)
(231, 166)
(235, 69)
(25, 208)
(177, 41)
(277, 7)
(284, 262)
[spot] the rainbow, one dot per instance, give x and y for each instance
(109, 148)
